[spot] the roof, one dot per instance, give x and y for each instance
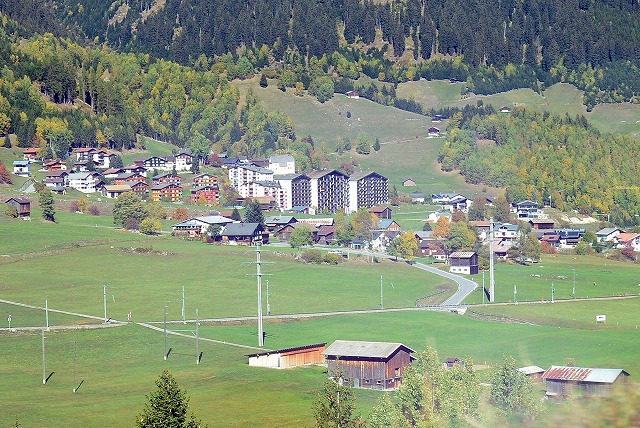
(528, 370)
(117, 188)
(80, 176)
(378, 208)
(235, 229)
(21, 163)
(583, 374)
(541, 221)
(626, 237)
(289, 176)
(326, 230)
(462, 254)
(274, 184)
(281, 160)
(282, 351)
(385, 223)
(281, 219)
(213, 219)
(360, 175)
(348, 348)
(161, 186)
(254, 168)
(322, 173)
(20, 201)
(607, 231)
(416, 195)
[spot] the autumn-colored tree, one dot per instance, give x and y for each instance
(442, 228)
(180, 214)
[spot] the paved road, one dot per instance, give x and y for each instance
(465, 286)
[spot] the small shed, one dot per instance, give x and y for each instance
(374, 365)
(541, 223)
(409, 182)
(381, 211)
(289, 357)
(434, 132)
(452, 362)
(22, 205)
(532, 372)
(579, 381)
(465, 262)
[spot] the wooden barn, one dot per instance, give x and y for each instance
(22, 206)
(532, 372)
(289, 357)
(465, 262)
(587, 382)
(375, 365)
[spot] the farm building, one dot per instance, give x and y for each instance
(289, 357)
(22, 206)
(375, 365)
(464, 262)
(578, 381)
(532, 372)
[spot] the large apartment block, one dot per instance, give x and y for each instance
(329, 190)
(367, 189)
(296, 190)
(239, 175)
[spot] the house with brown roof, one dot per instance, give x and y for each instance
(31, 154)
(244, 234)
(284, 233)
(373, 365)
(541, 223)
(205, 179)
(114, 190)
(381, 211)
(167, 178)
(55, 165)
(274, 223)
(465, 262)
(326, 235)
(627, 239)
(565, 381)
(205, 193)
(22, 206)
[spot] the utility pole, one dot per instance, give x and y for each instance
(553, 291)
(492, 296)
(259, 276)
(184, 312)
(46, 312)
(483, 287)
(105, 302)
(197, 338)
(44, 363)
(515, 294)
(165, 332)
(268, 307)
(381, 294)
(574, 283)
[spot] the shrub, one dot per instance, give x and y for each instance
(94, 210)
(132, 223)
(180, 214)
(73, 206)
(11, 211)
(312, 256)
(332, 259)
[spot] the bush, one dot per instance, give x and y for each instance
(93, 210)
(132, 223)
(11, 211)
(312, 256)
(180, 214)
(332, 259)
(73, 206)
(150, 226)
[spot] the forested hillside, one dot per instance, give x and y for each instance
(561, 160)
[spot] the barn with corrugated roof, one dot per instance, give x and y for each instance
(375, 365)
(579, 381)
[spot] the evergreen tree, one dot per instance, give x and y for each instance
(235, 215)
(263, 81)
(376, 145)
(167, 406)
(47, 206)
(253, 213)
(512, 390)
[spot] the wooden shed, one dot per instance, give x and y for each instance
(579, 381)
(465, 262)
(532, 372)
(289, 357)
(22, 206)
(375, 365)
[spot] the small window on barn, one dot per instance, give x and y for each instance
(396, 372)
(379, 382)
(367, 381)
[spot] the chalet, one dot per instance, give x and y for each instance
(267, 203)
(326, 235)
(31, 154)
(381, 211)
(357, 243)
(55, 165)
(353, 95)
(417, 197)
(389, 225)
(435, 216)
(128, 176)
(289, 357)
(183, 160)
(21, 168)
(205, 179)
(628, 240)
(84, 153)
(84, 182)
(207, 194)
(569, 238)
(284, 233)
(408, 182)
(114, 190)
(274, 223)
(381, 239)
(166, 178)
(540, 224)
(374, 365)
(153, 162)
(505, 109)
(465, 262)
(139, 187)
(452, 362)
(81, 166)
(166, 191)
(22, 206)
(578, 381)
(56, 178)
(434, 132)
(551, 238)
(197, 226)
(483, 228)
(244, 234)
(113, 172)
(532, 372)
(138, 169)
(608, 234)
(436, 118)
(506, 231)
(527, 210)
(501, 248)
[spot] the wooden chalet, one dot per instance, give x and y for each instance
(31, 154)
(534, 373)
(465, 262)
(166, 191)
(578, 381)
(284, 233)
(374, 365)
(114, 190)
(205, 179)
(55, 165)
(381, 211)
(166, 178)
(128, 176)
(274, 223)
(326, 235)
(206, 193)
(289, 357)
(22, 206)
(541, 223)
(244, 234)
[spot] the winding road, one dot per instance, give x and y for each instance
(465, 286)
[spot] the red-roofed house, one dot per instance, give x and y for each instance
(628, 240)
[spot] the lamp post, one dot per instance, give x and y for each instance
(515, 293)
(9, 319)
(553, 290)
(574, 283)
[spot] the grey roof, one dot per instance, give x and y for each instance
(240, 229)
(462, 254)
(290, 177)
(267, 183)
(606, 231)
(322, 173)
(531, 370)
(255, 168)
(213, 219)
(348, 348)
(360, 175)
(280, 219)
(79, 175)
(583, 374)
(281, 160)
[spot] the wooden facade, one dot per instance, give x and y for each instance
(465, 262)
(374, 365)
(585, 382)
(22, 206)
(289, 357)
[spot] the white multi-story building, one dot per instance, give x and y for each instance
(282, 164)
(296, 190)
(329, 190)
(84, 182)
(240, 175)
(367, 189)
